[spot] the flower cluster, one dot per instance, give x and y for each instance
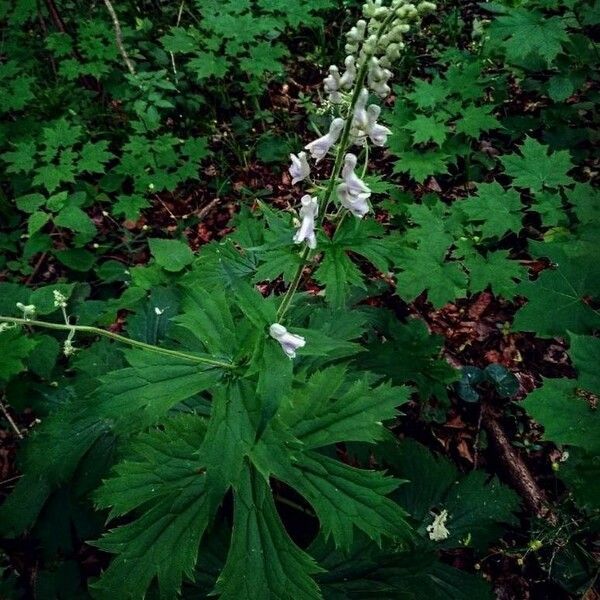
(437, 530)
(373, 44)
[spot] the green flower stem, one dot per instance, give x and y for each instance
(337, 167)
(118, 338)
(335, 173)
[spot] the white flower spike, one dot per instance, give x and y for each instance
(299, 169)
(353, 193)
(290, 342)
(437, 530)
(308, 213)
(320, 147)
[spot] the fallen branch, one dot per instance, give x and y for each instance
(517, 471)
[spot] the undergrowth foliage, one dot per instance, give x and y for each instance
(236, 395)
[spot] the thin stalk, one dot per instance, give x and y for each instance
(86, 329)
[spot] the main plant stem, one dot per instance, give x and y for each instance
(118, 338)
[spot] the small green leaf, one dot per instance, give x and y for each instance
(171, 255)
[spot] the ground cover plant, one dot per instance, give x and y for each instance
(299, 301)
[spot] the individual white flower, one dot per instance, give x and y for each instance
(299, 169)
(347, 79)
(353, 193)
(6, 326)
(159, 311)
(308, 213)
(320, 147)
(331, 83)
(360, 117)
(29, 310)
(377, 78)
(377, 133)
(290, 342)
(437, 530)
(60, 300)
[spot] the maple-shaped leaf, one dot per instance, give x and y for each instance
(208, 65)
(537, 168)
(427, 128)
(420, 165)
(528, 31)
(494, 210)
(475, 119)
(22, 158)
(428, 94)
(561, 298)
(93, 157)
(423, 269)
(568, 416)
(495, 270)
(586, 202)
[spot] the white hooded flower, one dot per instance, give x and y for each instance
(299, 169)
(331, 83)
(308, 213)
(377, 133)
(437, 530)
(290, 342)
(360, 117)
(378, 77)
(320, 147)
(353, 193)
(347, 79)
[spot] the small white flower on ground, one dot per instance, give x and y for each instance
(437, 530)
(308, 213)
(299, 169)
(353, 193)
(320, 147)
(159, 311)
(60, 300)
(29, 310)
(290, 342)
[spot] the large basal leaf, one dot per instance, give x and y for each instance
(263, 562)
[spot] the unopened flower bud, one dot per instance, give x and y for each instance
(426, 7)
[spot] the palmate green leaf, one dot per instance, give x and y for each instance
(585, 355)
(535, 168)
(473, 120)
(527, 31)
(496, 270)
(567, 415)
(420, 165)
(22, 158)
(263, 562)
(427, 128)
(558, 301)
(93, 157)
(424, 269)
(167, 479)
(494, 210)
(428, 94)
